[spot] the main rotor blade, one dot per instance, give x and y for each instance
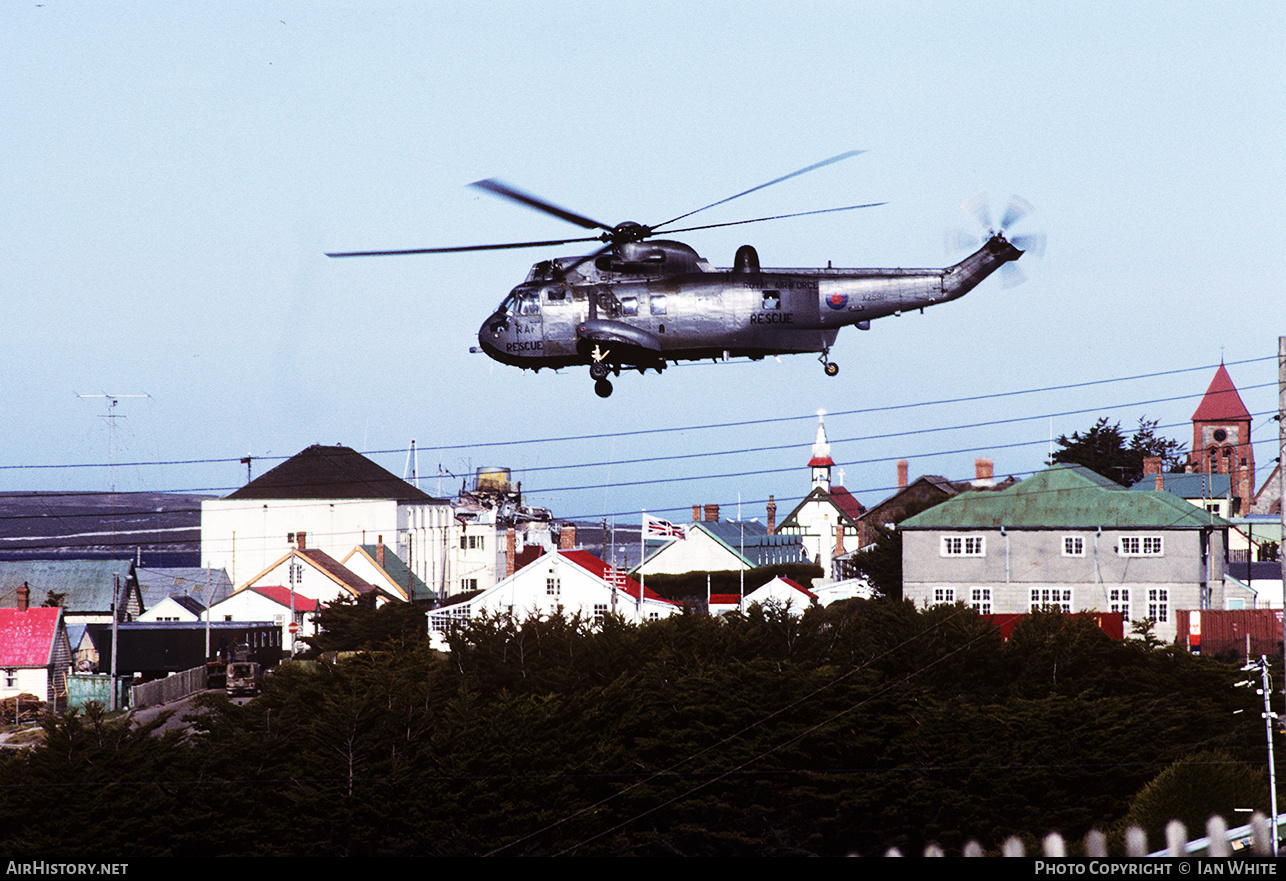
(775, 217)
(813, 167)
(491, 185)
(462, 248)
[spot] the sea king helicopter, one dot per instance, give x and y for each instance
(639, 302)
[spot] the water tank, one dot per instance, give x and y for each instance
(491, 479)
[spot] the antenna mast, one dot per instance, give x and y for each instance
(111, 417)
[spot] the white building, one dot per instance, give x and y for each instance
(568, 581)
(339, 499)
(270, 603)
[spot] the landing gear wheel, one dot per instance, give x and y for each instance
(603, 388)
(598, 373)
(831, 368)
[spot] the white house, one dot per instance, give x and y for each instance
(35, 655)
(782, 593)
(316, 574)
(270, 603)
(174, 608)
(722, 545)
(573, 582)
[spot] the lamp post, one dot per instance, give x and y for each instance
(1265, 689)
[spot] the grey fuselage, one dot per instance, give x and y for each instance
(653, 302)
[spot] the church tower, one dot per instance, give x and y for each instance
(1221, 437)
(821, 462)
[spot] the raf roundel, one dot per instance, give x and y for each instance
(837, 301)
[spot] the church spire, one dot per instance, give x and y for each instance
(821, 462)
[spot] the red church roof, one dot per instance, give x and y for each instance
(1221, 403)
(27, 637)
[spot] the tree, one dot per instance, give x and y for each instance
(1104, 450)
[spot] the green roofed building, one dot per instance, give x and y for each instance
(1069, 539)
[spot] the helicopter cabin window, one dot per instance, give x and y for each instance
(658, 304)
(629, 305)
(772, 299)
(556, 294)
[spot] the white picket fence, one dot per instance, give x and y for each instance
(1253, 839)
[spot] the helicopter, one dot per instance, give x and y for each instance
(641, 303)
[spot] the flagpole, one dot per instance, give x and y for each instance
(638, 607)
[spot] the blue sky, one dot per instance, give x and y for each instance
(174, 172)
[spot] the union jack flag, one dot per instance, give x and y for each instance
(654, 526)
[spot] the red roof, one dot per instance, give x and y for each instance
(596, 567)
(799, 587)
(819, 461)
(280, 594)
(27, 638)
(725, 599)
(1221, 403)
(844, 500)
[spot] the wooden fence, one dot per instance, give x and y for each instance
(1253, 839)
(171, 688)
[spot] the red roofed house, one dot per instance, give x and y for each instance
(826, 519)
(270, 603)
(317, 574)
(35, 655)
(569, 581)
(780, 592)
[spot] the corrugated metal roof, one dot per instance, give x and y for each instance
(27, 638)
(87, 583)
(1064, 496)
(1195, 485)
(398, 572)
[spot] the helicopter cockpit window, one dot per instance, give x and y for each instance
(658, 304)
(528, 303)
(629, 305)
(772, 299)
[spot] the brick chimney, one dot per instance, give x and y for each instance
(301, 540)
(1160, 478)
(511, 551)
(24, 597)
(839, 539)
(379, 552)
(984, 472)
(772, 516)
(712, 513)
(696, 513)
(567, 537)
(902, 472)
(1151, 465)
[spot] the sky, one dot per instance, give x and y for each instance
(174, 173)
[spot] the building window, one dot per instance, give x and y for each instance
(1118, 600)
(943, 595)
(1158, 604)
(980, 600)
(1059, 599)
(963, 546)
(654, 616)
(471, 542)
(10, 677)
(442, 621)
(553, 587)
(1141, 546)
(600, 612)
(1073, 546)
(467, 584)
